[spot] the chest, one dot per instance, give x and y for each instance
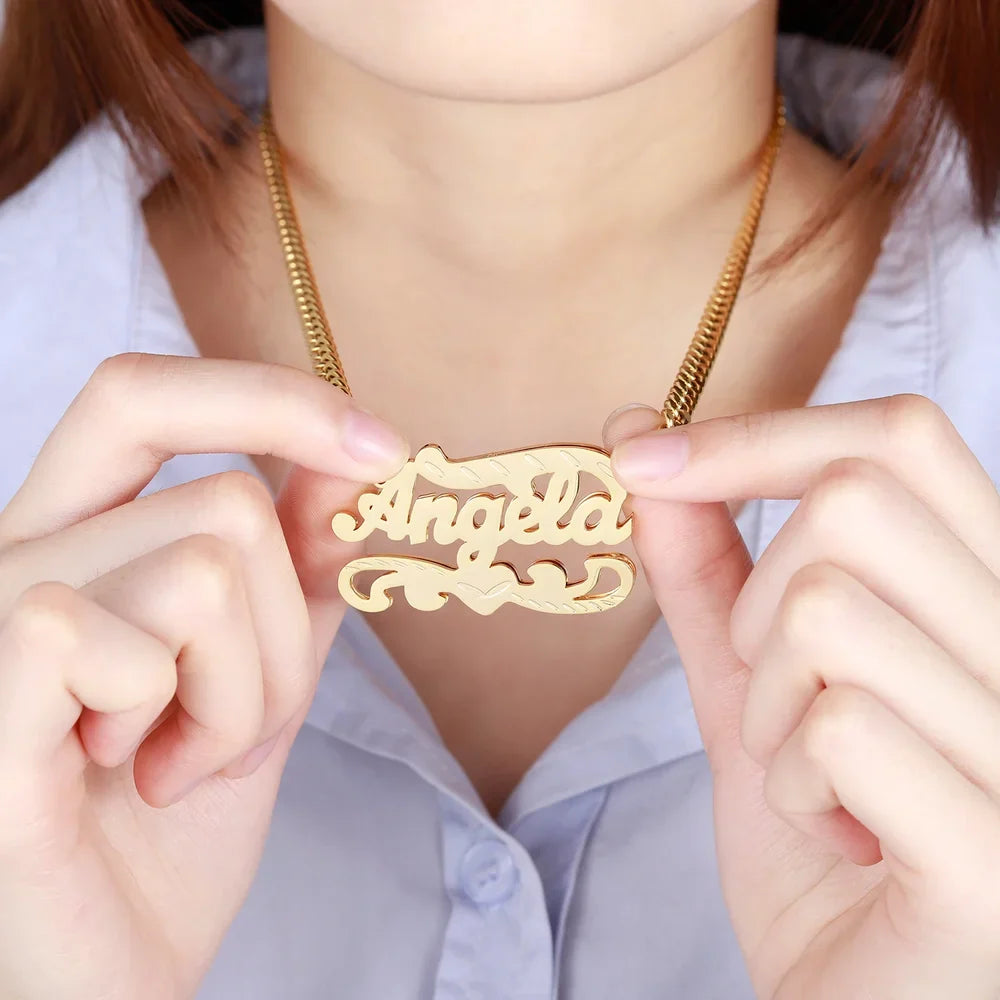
(500, 687)
(377, 884)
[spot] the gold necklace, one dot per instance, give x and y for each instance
(523, 513)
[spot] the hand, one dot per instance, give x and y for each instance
(847, 688)
(157, 657)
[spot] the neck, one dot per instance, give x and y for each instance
(532, 264)
(502, 188)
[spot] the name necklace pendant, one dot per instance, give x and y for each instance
(539, 499)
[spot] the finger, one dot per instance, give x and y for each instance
(859, 517)
(937, 830)
(191, 596)
(779, 454)
(235, 508)
(140, 410)
(305, 509)
(830, 630)
(61, 653)
(696, 563)
(628, 421)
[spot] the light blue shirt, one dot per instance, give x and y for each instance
(383, 877)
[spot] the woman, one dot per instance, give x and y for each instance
(777, 780)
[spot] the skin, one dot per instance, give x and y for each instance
(467, 212)
(473, 258)
(205, 607)
(848, 702)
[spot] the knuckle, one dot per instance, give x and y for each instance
(840, 718)
(241, 507)
(242, 729)
(742, 630)
(223, 740)
(291, 389)
(278, 381)
(716, 562)
(118, 368)
(775, 791)
(209, 571)
(848, 490)
(46, 619)
(747, 428)
(815, 603)
(122, 383)
(147, 679)
(114, 377)
(747, 627)
(913, 424)
(741, 426)
(294, 691)
(159, 681)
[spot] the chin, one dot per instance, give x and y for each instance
(530, 51)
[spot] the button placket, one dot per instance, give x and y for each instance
(498, 935)
(489, 874)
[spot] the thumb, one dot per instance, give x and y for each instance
(306, 505)
(696, 563)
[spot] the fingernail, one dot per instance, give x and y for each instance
(252, 760)
(372, 442)
(651, 457)
(627, 421)
(625, 409)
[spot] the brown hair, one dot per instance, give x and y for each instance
(60, 64)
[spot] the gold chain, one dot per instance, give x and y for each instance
(680, 402)
(315, 325)
(679, 405)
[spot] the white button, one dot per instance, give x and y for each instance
(488, 873)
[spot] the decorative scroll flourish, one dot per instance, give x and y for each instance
(524, 513)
